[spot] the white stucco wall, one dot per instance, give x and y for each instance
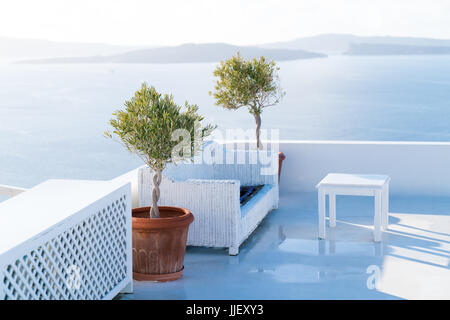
(421, 168)
(414, 167)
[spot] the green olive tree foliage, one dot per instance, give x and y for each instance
(159, 131)
(247, 83)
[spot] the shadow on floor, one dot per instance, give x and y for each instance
(284, 259)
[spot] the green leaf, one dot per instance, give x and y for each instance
(146, 125)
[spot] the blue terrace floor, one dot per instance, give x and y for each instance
(284, 259)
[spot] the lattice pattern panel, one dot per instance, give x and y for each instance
(86, 261)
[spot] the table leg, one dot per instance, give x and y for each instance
(332, 198)
(377, 218)
(321, 198)
(385, 204)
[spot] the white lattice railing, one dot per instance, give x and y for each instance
(66, 239)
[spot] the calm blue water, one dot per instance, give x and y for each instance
(52, 117)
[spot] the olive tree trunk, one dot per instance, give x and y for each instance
(154, 211)
(258, 131)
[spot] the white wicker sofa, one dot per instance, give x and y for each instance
(212, 193)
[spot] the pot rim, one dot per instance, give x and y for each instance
(148, 223)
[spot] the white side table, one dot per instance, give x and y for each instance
(356, 185)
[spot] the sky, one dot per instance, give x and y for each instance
(244, 22)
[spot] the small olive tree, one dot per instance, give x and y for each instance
(155, 128)
(248, 83)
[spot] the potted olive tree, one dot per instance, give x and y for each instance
(146, 127)
(251, 83)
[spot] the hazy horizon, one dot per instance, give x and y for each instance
(211, 42)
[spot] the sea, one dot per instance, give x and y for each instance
(53, 116)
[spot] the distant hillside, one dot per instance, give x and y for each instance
(15, 49)
(339, 43)
(187, 53)
(393, 49)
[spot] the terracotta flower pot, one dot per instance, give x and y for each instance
(281, 157)
(159, 244)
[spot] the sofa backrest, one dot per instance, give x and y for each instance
(249, 167)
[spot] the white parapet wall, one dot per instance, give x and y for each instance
(415, 168)
(66, 239)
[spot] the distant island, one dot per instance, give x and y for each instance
(186, 53)
(43, 51)
(364, 49)
(342, 43)
(15, 49)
